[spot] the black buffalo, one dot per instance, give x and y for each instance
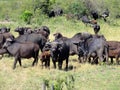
(4, 30)
(85, 20)
(105, 14)
(75, 39)
(60, 37)
(23, 30)
(44, 30)
(95, 46)
(94, 14)
(96, 28)
(21, 50)
(4, 36)
(2, 40)
(35, 38)
(55, 12)
(59, 51)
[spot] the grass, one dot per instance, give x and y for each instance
(87, 77)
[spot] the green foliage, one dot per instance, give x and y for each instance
(43, 5)
(61, 82)
(26, 16)
(77, 8)
(12, 9)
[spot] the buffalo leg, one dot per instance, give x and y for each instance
(60, 64)
(66, 64)
(49, 63)
(88, 58)
(117, 60)
(15, 62)
(95, 60)
(54, 63)
(34, 62)
(42, 64)
(101, 58)
(111, 60)
(35, 58)
(79, 59)
(46, 64)
(19, 62)
(100, 55)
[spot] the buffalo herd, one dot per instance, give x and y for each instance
(91, 48)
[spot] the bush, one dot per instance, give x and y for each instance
(43, 5)
(26, 16)
(65, 82)
(77, 8)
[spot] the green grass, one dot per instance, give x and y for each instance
(87, 77)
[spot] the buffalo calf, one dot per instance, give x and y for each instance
(45, 57)
(114, 53)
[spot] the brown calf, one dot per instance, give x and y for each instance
(114, 50)
(114, 53)
(45, 57)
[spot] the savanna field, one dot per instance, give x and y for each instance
(81, 77)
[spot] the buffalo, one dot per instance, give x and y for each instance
(35, 38)
(21, 50)
(75, 39)
(95, 46)
(55, 12)
(73, 48)
(105, 14)
(114, 53)
(59, 51)
(23, 30)
(94, 14)
(45, 57)
(4, 30)
(44, 30)
(114, 50)
(85, 20)
(4, 36)
(96, 28)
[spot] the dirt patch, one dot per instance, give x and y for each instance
(6, 22)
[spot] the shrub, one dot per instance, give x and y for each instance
(43, 5)
(77, 8)
(26, 16)
(60, 82)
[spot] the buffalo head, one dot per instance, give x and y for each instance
(8, 42)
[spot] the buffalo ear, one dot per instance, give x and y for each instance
(79, 42)
(76, 43)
